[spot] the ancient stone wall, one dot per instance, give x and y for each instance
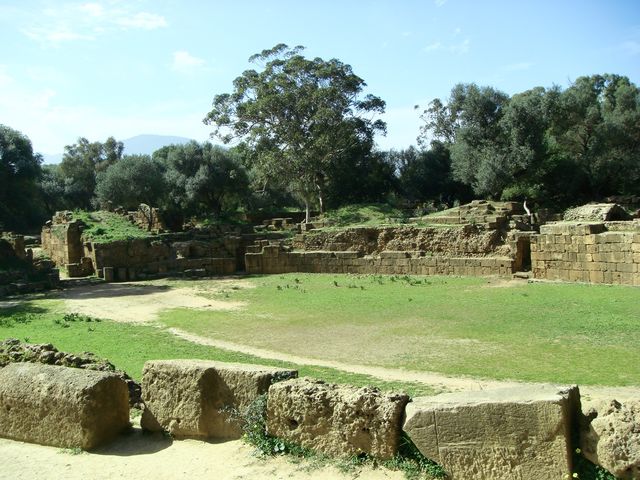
(61, 240)
(463, 241)
(587, 252)
(271, 259)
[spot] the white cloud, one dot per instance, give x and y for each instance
(93, 9)
(457, 31)
(143, 20)
(440, 3)
(454, 48)
(514, 67)
(460, 48)
(86, 21)
(183, 61)
(432, 47)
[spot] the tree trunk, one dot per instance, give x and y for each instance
(307, 212)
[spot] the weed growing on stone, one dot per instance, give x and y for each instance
(409, 460)
(585, 470)
(253, 423)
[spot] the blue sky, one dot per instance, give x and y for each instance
(123, 68)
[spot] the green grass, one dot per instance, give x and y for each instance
(563, 333)
(365, 215)
(128, 346)
(103, 227)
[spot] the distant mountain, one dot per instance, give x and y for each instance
(138, 145)
(147, 144)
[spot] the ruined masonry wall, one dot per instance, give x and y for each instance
(582, 252)
(272, 259)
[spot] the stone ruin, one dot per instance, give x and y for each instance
(20, 271)
(479, 239)
(528, 432)
(213, 250)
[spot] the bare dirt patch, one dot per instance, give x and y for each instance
(154, 457)
(131, 302)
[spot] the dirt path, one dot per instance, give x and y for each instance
(153, 457)
(136, 303)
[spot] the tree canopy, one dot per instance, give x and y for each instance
(19, 174)
(81, 163)
(297, 115)
(550, 145)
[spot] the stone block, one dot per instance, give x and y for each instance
(612, 439)
(61, 406)
(188, 398)
(107, 274)
(519, 432)
(336, 420)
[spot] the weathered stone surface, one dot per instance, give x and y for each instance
(60, 406)
(187, 398)
(335, 419)
(612, 439)
(511, 433)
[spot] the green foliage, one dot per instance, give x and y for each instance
(104, 227)
(297, 116)
(81, 163)
(585, 470)
(253, 421)
(133, 180)
(19, 173)
(548, 145)
(202, 179)
(414, 465)
(68, 318)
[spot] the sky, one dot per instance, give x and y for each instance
(121, 68)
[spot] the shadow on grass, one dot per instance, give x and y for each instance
(113, 290)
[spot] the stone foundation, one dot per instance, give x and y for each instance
(60, 406)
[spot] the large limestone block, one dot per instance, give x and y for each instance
(519, 433)
(335, 419)
(192, 398)
(613, 438)
(61, 406)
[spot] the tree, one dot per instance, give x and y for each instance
(202, 178)
(597, 129)
(297, 115)
(80, 164)
(426, 175)
(19, 173)
(133, 180)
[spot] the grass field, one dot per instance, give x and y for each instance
(560, 333)
(563, 333)
(128, 346)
